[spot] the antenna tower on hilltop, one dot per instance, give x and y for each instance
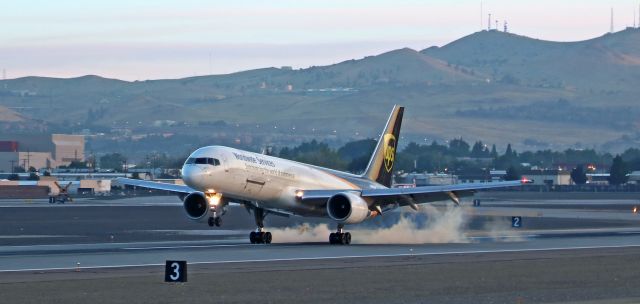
(611, 29)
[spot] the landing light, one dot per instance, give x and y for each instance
(299, 193)
(525, 180)
(214, 200)
(211, 191)
(635, 209)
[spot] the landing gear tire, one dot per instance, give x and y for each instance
(266, 237)
(346, 238)
(340, 238)
(215, 221)
(333, 238)
(260, 237)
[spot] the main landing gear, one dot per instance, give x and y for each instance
(260, 236)
(340, 237)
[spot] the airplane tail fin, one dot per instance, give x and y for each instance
(380, 166)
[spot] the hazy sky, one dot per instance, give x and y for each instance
(132, 39)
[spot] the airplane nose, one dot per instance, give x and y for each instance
(190, 176)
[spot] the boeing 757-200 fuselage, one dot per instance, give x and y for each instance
(214, 176)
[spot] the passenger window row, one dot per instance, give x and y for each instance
(203, 161)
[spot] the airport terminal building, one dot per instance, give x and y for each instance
(40, 151)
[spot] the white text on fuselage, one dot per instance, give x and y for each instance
(251, 160)
(255, 160)
(269, 171)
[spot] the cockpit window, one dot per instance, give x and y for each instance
(203, 161)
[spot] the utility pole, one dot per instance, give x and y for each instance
(489, 23)
(13, 165)
(26, 169)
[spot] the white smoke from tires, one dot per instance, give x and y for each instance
(428, 225)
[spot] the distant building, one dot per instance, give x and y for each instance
(598, 178)
(40, 151)
(425, 179)
(549, 177)
(634, 177)
(497, 175)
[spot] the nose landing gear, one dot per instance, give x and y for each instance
(215, 221)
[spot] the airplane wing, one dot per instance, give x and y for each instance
(154, 185)
(410, 196)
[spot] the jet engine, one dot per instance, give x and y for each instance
(197, 206)
(347, 208)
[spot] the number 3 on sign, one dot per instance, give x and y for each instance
(516, 222)
(175, 271)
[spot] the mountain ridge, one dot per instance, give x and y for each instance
(450, 90)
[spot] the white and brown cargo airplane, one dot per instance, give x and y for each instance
(214, 176)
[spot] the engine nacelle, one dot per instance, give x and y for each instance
(197, 206)
(347, 208)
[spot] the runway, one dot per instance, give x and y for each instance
(66, 252)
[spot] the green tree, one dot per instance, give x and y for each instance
(112, 161)
(76, 164)
(494, 152)
(509, 153)
(479, 150)
(513, 174)
(33, 176)
(358, 165)
(357, 149)
(458, 147)
(314, 153)
(578, 175)
(618, 172)
(13, 177)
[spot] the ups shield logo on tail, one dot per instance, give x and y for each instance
(389, 151)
